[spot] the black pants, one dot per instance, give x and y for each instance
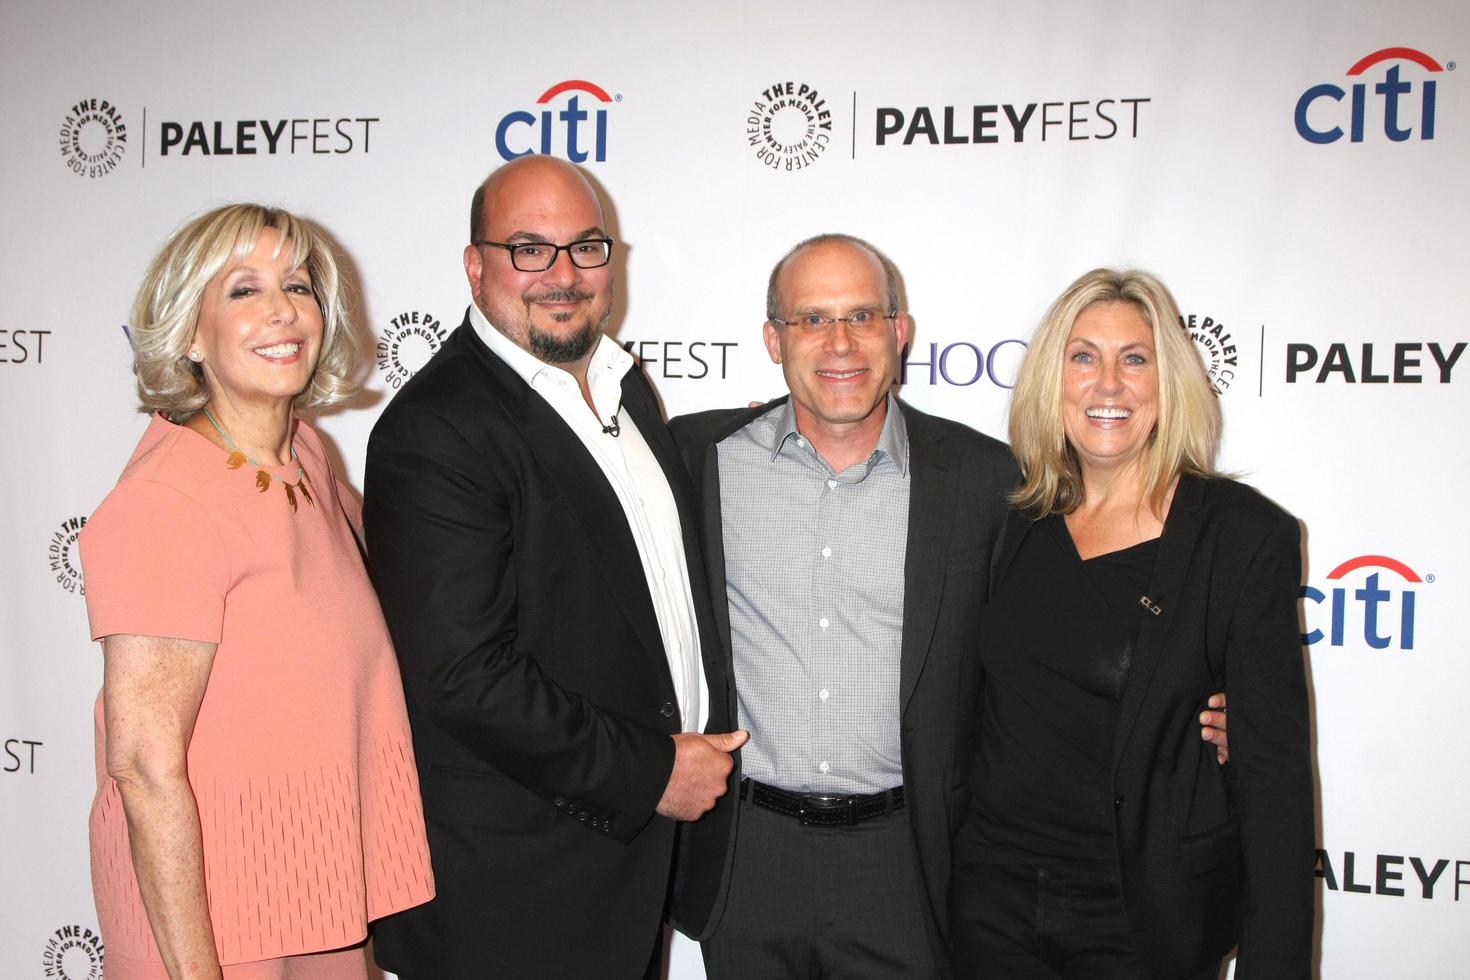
(821, 903)
(1026, 923)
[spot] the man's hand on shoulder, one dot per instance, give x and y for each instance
(1214, 727)
(702, 767)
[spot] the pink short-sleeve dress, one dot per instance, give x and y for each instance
(300, 759)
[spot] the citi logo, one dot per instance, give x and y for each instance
(1399, 102)
(549, 130)
(1383, 609)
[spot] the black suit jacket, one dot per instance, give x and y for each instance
(957, 503)
(537, 683)
(1212, 855)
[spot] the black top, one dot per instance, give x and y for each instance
(1056, 639)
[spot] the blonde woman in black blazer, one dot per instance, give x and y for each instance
(1131, 582)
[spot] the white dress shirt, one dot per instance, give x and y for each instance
(635, 476)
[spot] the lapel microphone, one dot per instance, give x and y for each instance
(612, 428)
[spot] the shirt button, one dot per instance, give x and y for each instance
(822, 694)
(823, 622)
(831, 484)
(801, 442)
(826, 552)
(823, 767)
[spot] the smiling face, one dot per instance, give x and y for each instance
(558, 314)
(839, 379)
(260, 329)
(1110, 385)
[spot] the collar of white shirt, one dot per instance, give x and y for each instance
(604, 371)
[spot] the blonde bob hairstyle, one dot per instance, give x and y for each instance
(166, 312)
(1185, 437)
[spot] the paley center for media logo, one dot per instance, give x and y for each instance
(406, 344)
(789, 126)
(1217, 348)
(72, 953)
(561, 131)
(62, 557)
(1404, 97)
(1372, 599)
(93, 138)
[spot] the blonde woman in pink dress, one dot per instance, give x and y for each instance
(257, 802)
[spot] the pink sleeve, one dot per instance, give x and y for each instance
(153, 564)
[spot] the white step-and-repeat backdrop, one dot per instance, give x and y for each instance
(1297, 173)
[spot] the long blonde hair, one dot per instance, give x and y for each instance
(1186, 436)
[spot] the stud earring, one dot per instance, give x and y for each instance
(195, 356)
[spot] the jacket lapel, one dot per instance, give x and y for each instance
(713, 537)
(1176, 548)
(931, 509)
(707, 480)
(1017, 525)
(561, 455)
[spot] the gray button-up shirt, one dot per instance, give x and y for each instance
(814, 571)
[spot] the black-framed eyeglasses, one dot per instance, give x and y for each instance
(589, 253)
(858, 321)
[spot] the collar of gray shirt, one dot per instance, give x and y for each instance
(777, 428)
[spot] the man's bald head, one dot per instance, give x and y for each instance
(532, 167)
(774, 309)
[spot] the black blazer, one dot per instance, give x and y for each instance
(958, 485)
(1210, 855)
(537, 684)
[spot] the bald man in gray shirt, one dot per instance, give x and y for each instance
(851, 536)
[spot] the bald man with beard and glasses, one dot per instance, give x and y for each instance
(848, 539)
(532, 538)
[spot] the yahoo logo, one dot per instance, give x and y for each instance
(963, 363)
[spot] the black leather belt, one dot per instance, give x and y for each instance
(822, 811)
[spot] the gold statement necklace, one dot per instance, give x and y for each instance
(263, 477)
